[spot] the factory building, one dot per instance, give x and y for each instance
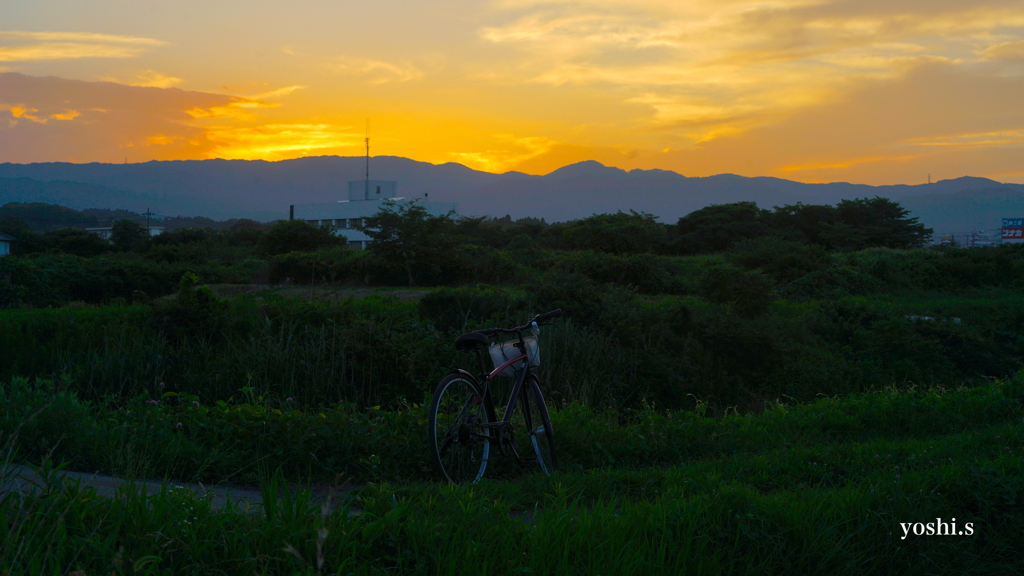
(365, 198)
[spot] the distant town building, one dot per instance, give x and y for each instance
(5, 243)
(982, 238)
(104, 232)
(364, 200)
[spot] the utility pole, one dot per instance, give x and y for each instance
(149, 229)
(366, 192)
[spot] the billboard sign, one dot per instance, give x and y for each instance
(1013, 230)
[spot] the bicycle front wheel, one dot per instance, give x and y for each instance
(535, 441)
(459, 438)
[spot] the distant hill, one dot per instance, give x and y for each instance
(77, 195)
(224, 189)
(967, 210)
(41, 216)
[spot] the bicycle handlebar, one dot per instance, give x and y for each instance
(542, 317)
(538, 319)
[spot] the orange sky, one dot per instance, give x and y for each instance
(867, 91)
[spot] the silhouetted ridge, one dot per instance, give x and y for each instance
(225, 189)
(585, 168)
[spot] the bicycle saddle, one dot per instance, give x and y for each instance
(470, 342)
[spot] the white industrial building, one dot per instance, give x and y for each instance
(364, 200)
(5, 243)
(106, 232)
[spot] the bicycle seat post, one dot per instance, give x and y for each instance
(483, 366)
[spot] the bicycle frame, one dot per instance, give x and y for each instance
(486, 377)
(516, 387)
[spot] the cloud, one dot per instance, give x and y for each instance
(80, 37)
(34, 46)
(1004, 51)
(150, 78)
(64, 50)
(937, 118)
(155, 79)
(376, 71)
(563, 154)
(281, 141)
(579, 34)
(53, 118)
(277, 93)
(506, 152)
(21, 112)
(713, 69)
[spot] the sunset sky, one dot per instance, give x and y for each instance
(866, 91)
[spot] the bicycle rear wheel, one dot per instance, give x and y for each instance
(531, 424)
(459, 440)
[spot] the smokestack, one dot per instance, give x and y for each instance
(291, 212)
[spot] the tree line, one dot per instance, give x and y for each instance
(406, 235)
(419, 244)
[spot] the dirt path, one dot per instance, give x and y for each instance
(15, 478)
(320, 292)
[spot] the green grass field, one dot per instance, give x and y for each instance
(821, 488)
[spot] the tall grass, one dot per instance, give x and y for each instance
(178, 436)
(610, 348)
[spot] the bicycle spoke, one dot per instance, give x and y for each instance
(456, 419)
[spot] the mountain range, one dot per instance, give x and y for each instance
(223, 189)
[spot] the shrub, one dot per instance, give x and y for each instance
(339, 264)
(456, 308)
(490, 265)
(748, 293)
(77, 242)
(296, 236)
(619, 233)
(783, 260)
(832, 283)
(128, 235)
(196, 312)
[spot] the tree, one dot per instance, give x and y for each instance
(77, 242)
(748, 293)
(782, 260)
(245, 233)
(405, 235)
(43, 217)
(29, 241)
(186, 235)
(296, 236)
(483, 231)
(128, 235)
(802, 222)
(874, 222)
(619, 233)
(719, 226)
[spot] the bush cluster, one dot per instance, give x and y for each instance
(613, 345)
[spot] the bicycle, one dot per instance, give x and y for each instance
(462, 419)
